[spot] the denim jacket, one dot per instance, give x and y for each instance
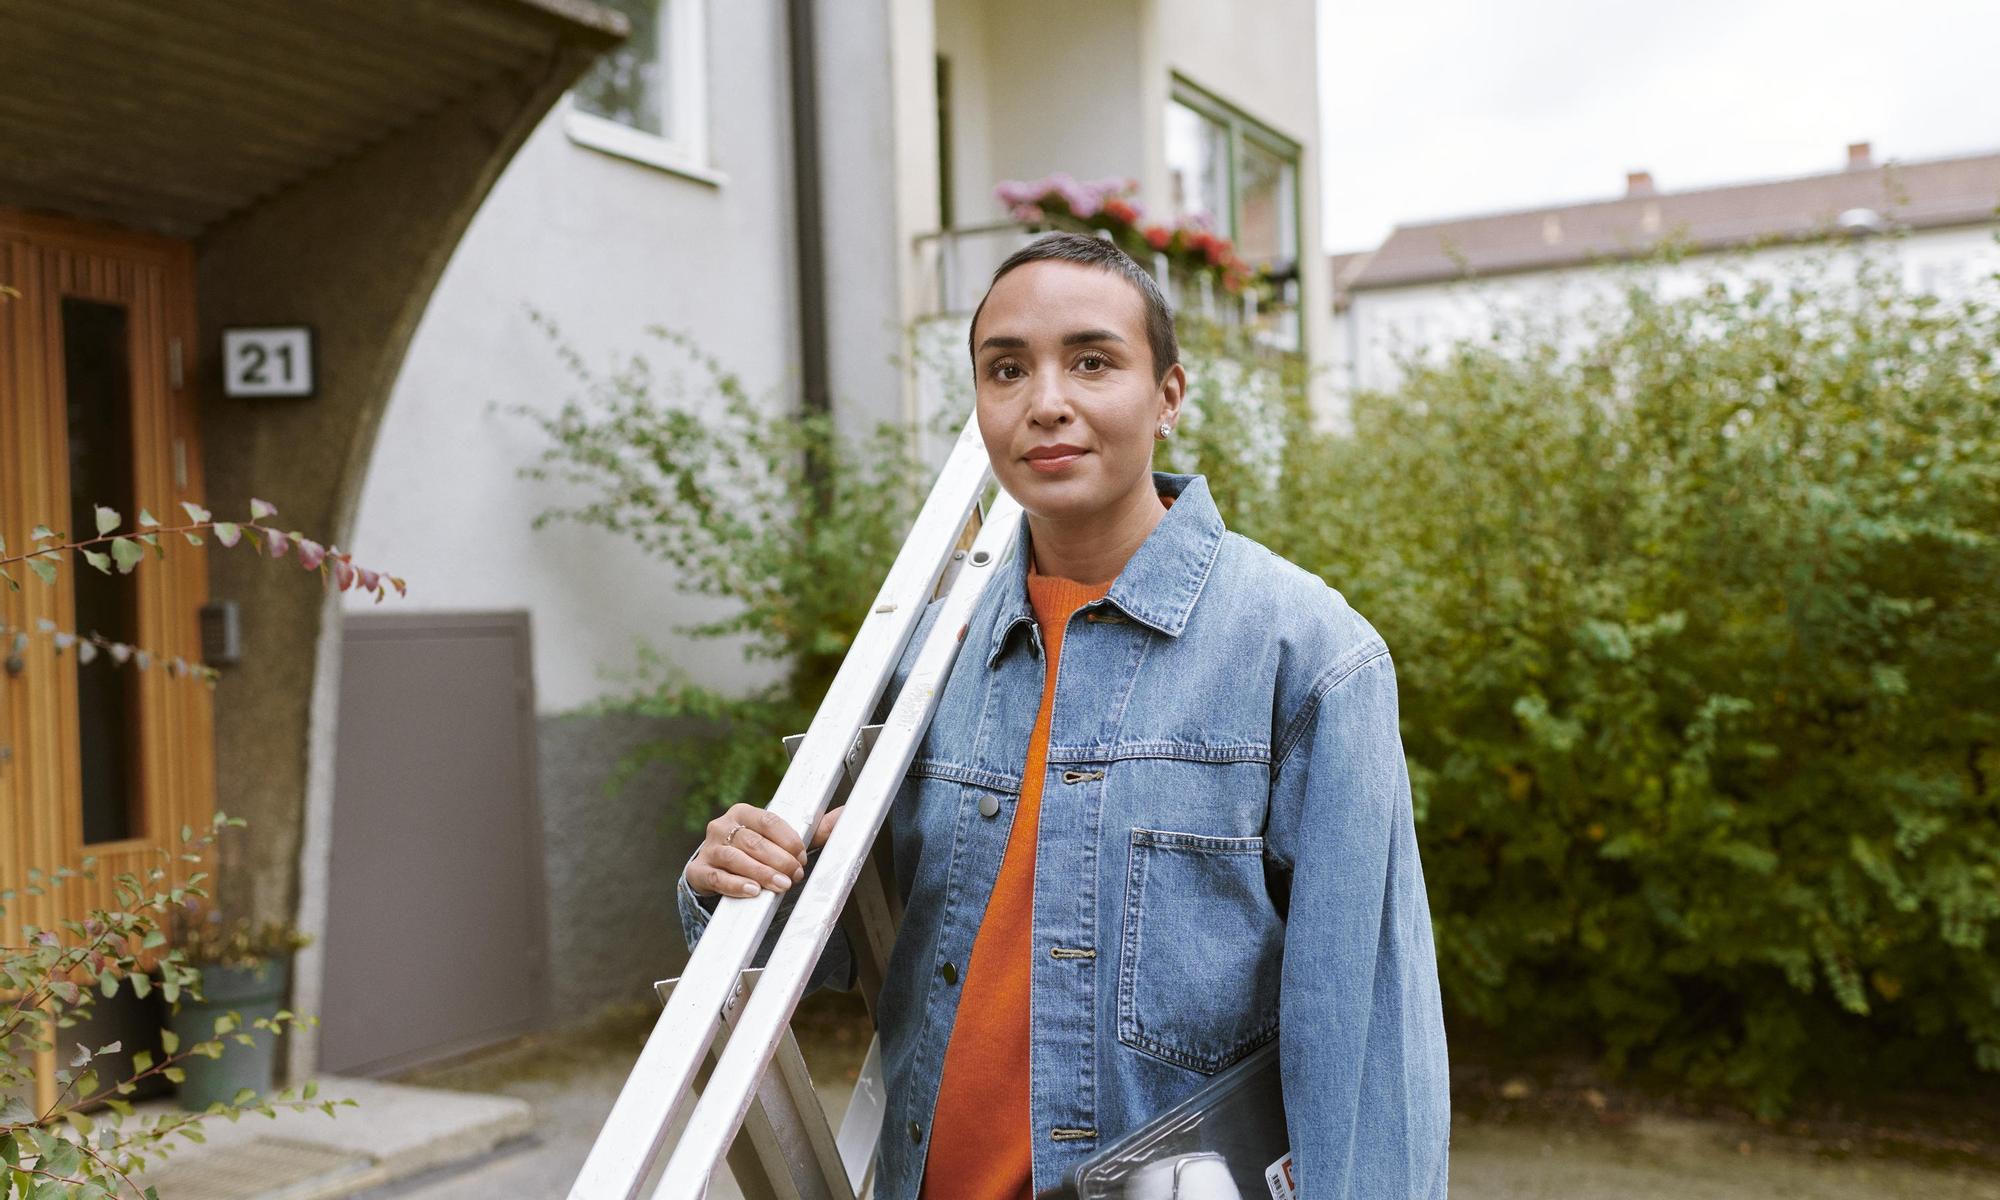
(1226, 854)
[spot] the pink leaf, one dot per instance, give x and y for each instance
(370, 580)
(280, 542)
(311, 554)
(343, 573)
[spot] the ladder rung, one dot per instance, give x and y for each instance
(636, 1129)
(722, 1107)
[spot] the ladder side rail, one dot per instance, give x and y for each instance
(635, 1131)
(721, 1109)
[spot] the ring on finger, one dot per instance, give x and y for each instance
(727, 837)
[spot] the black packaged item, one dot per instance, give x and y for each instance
(1225, 1142)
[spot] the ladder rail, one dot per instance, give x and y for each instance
(634, 1133)
(732, 1086)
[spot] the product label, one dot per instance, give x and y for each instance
(1278, 1176)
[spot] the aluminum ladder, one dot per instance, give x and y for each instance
(752, 1078)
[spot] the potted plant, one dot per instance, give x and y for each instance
(245, 969)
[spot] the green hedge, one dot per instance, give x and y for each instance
(1699, 647)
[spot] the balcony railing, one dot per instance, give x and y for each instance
(955, 265)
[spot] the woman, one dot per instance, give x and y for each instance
(1160, 817)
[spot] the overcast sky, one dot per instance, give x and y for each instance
(1439, 108)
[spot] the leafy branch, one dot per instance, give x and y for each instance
(62, 1150)
(111, 551)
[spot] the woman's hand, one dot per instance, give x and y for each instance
(749, 849)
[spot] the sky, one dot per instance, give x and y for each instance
(1445, 108)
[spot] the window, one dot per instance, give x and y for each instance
(1198, 165)
(1267, 221)
(647, 98)
(1243, 177)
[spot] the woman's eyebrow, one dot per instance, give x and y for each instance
(1082, 336)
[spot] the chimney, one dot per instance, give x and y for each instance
(1860, 157)
(1638, 183)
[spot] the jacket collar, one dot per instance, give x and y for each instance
(1161, 581)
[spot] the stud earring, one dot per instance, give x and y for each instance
(1165, 429)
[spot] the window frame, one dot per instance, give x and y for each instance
(1240, 127)
(684, 150)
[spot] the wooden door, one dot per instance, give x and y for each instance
(97, 407)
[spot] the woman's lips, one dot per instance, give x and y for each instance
(1053, 464)
(1053, 459)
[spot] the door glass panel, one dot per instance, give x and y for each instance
(97, 375)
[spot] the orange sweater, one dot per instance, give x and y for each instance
(981, 1143)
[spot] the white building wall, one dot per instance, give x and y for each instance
(604, 246)
(1383, 325)
(1263, 58)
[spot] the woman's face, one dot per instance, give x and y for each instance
(1067, 403)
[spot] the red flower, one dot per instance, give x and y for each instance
(1121, 210)
(1159, 237)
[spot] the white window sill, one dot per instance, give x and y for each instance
(609, 137)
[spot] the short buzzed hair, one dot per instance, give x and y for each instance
(1103, 254)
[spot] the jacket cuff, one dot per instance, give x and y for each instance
(695, 910)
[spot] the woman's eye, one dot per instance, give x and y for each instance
(1001, 370)
(1093, 362)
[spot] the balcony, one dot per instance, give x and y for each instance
(954, 266)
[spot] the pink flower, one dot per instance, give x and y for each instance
(278, 541)
(370, 580)
(343, 573)
(311, 554)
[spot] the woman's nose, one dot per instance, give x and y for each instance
(1047, 404)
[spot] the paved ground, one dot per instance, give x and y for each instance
(572, 1080)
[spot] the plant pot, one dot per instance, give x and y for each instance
(250, 992)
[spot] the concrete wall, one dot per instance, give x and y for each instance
(1262, 58)
(1040, 86)
(878, 164)
(354, 252)
(1047, 87)
(605, 247)
(612, 860)
(1382, 325)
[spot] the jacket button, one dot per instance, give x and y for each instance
(949, 972)
(989, 805)
(916, 1133)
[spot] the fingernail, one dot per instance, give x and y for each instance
(799, 874)
(751, 889)
(780, 882)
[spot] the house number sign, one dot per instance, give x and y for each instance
(269, 360)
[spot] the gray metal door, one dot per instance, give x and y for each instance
(435, 934)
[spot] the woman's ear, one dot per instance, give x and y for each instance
(1173, 389)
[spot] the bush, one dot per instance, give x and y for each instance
(755, 504)
(1698, 634)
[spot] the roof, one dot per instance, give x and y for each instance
(1916, 195)
(171, 117)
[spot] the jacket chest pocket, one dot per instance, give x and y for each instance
(1198, 969)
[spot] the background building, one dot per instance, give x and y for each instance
(1431, 284)
(812, 204)
(169, 174)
